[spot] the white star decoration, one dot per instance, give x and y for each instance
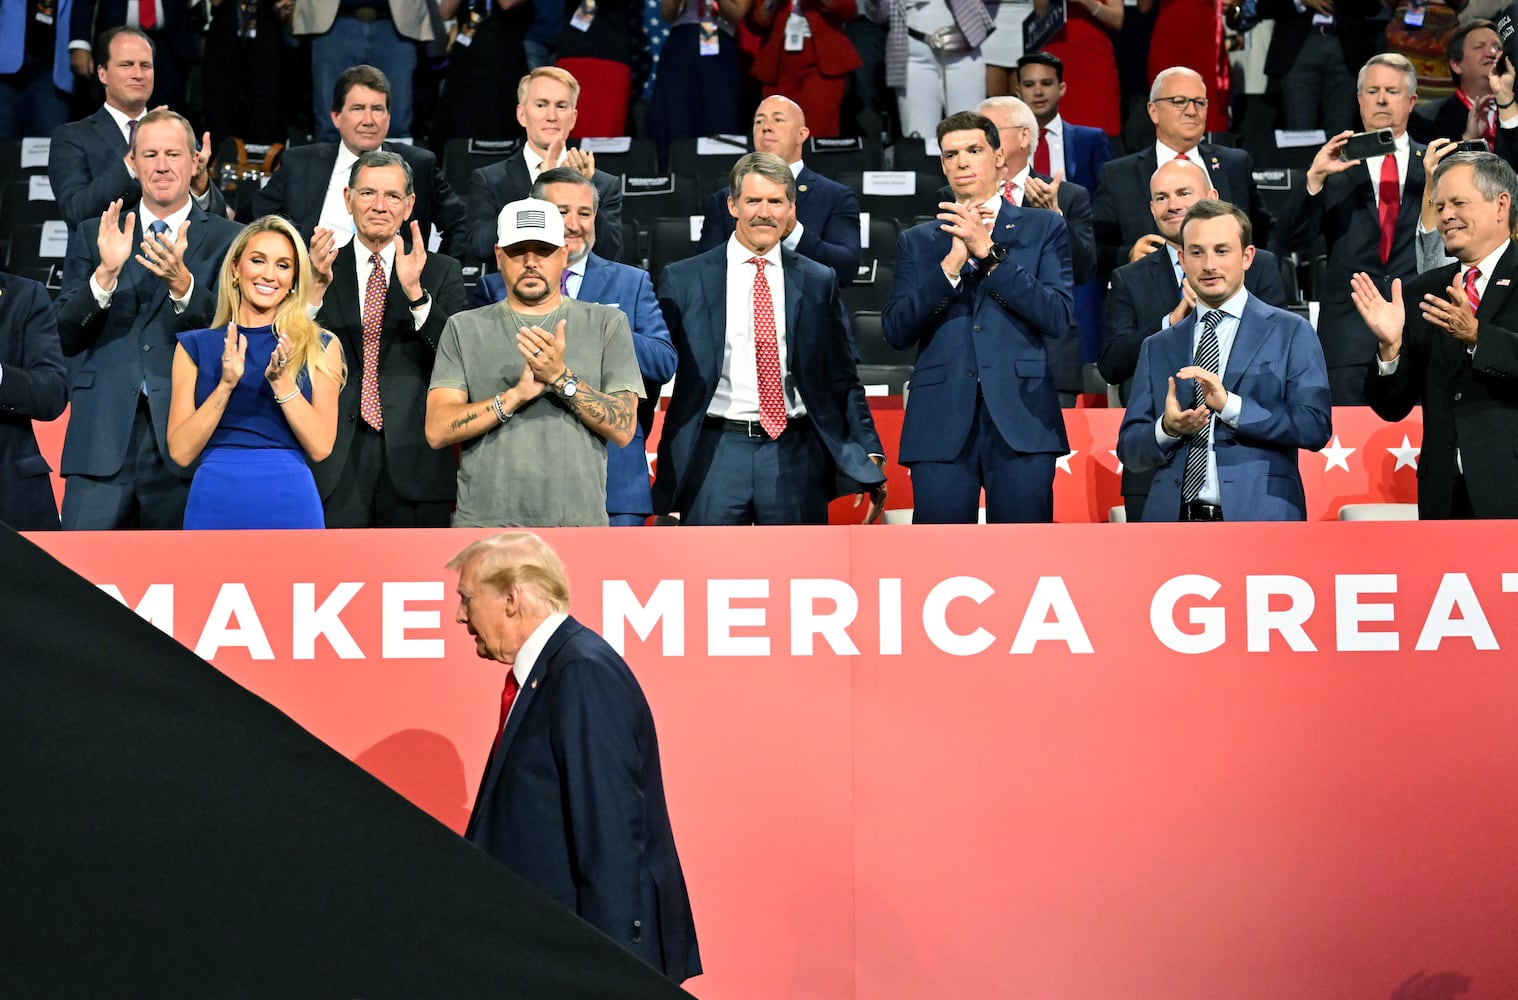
(1063, 462)
(1407, 455)
(1337, 455)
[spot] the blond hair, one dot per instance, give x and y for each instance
(551, 73)
(517, 559)
(290, 317)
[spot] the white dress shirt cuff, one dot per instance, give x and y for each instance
(102, 297)
(1229, 414)
(420, 313)
(180, 304)
(1387, 367)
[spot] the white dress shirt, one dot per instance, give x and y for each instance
(527, 656)
(1163, 154)
(1227, 329)
(175, 221)
(1055, 141)
(361, 255)
(737, 393)
(335, 215)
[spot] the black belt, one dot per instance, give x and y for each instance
(752, 428)
(914, 33)
(1198, 511)
(365, 14)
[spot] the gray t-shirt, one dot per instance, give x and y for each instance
(543, 468)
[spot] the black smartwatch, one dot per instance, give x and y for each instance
(421, 299)
(995, 255)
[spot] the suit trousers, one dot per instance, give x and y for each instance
(1019, 486)
(30, 104)
(144, 492)
(365, 497)
(1319, 83)
(937, 86)
(755, 480)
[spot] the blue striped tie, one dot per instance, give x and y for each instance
(1206, 357)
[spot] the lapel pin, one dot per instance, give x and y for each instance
(801, 187)
(1504, 282)
(534, 685)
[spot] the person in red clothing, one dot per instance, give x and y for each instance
(804, 54)
(1190, 33)
(1086, 51)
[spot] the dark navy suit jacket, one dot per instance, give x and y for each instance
(494, 187)
(1276, 365)
(299, 187)
(418, 472)
(129, 344)
(1086, 152)
(86, 169)
(819, 359)
(631, 290)
(829, 216)
(992, 333)
(573, 802)
(33, 386)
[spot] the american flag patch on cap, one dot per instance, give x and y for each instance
(532, 218)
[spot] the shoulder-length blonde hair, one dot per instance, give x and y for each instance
(290, 318)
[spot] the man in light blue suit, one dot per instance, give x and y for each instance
(629, 500)
(1224, 446)
(980, 293)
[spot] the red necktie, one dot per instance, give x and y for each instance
(373, 318)
(767, 355)
(508, 695)
(1388, 201)
(1041, 154)
(1183, 157)
(1470, 289)
(147, 15)
(1009, 192)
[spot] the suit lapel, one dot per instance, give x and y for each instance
(1248, 339)
(794, 285)
(109, 133)
(593, 283)
(1500, 287)
(526, 695)
(713, 292)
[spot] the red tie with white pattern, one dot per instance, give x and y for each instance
(373, 318)
(767, 355)
(1471, 295)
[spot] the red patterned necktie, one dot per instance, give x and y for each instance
(1470, 289)
(1009, 192)
(1388, 201)
(1041, 154)
(767, 355)
(508, 695)
(374, 315)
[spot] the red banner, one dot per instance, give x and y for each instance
(1052, 761)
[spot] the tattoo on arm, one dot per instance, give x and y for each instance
(463, 421)
(605, 414)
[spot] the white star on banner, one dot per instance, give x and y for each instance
(1407, 455)
(1063, 462)
(1337, 455)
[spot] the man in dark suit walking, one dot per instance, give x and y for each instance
(572, 798)
(1152, 295)
(387, 303)
(768, 421)
(1367, 212)
(981, 293)
(117, 319)
(827, 213)
(33, 386)
(88, 163)
(1224, 400)
(1449, 340)
(546, 100)
(1178, 108)
(308, 187)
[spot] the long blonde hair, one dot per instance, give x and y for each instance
(290, 318)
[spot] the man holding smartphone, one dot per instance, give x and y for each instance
(1473, 50)
(1367, 212)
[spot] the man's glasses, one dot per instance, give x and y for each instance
(1179, 103)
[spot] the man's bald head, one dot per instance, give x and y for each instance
(780, 128)
(1173, 189)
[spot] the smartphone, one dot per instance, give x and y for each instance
(1472, 146)
(1504, 66)
(1364, 145)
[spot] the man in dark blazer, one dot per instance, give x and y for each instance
(1121, 213)
(1221, 436)
(1080, 150)
(1316, 48)
(572, 798)
(307, 187)
(33, 386)
(982, 308)
(768, 422)
(1339, 201)
(1150, 295)
(385, 476)
(827, 213)
(1460, 363)
(1470, 112)
(87, 162)
(629, 499)
(176, 41)
(127, 290)
(546, 100)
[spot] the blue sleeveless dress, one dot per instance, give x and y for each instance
(253, 472)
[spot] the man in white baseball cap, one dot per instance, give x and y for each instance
(533, 387)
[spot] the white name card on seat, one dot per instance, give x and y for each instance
(39, 188)
(55, 240)
(1300, 138)
(34, 152)
(722, 145)
(697, 223)
(607, 144)
(864, 230)
(890, 182)
(877, 389)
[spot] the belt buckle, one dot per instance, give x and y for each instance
(365, 14)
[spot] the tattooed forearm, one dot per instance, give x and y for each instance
(611, 416)
(463, 421)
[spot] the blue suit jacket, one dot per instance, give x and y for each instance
(993, 331)
(829, 216)
(494, 187)
(87, 172)
(631, 290)
(1086, 152)
(1277, 367)
(33, 386)
(13, 15)
(114, 351)
(819, 359)
(573, 802)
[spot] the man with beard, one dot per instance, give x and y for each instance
(533, 387)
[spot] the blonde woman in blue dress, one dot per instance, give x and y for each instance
(256, 395)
